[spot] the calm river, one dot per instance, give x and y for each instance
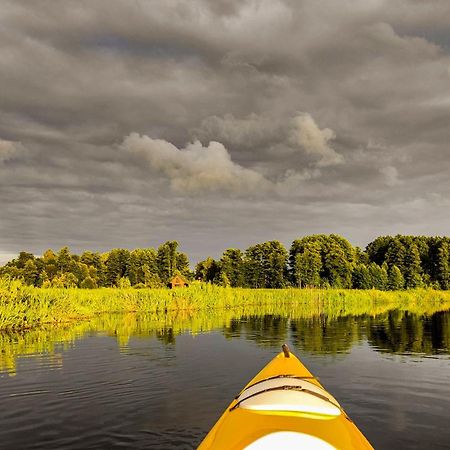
(127, 381)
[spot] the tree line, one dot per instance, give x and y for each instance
(321, 261)
(387, 263)
(119, 267)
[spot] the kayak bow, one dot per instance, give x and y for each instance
(284, 406)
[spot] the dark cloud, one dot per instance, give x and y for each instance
(221, 123)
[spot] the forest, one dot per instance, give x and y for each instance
(317, 261)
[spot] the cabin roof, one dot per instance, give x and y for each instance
(178, 279)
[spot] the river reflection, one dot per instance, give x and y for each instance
(143, 381)
(394, 331)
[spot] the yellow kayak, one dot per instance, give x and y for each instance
(284, 407)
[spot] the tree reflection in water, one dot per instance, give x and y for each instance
(392, 329)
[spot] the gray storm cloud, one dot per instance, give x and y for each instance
(300, 134)
(390, 174)
(10, 150)
(195, 168)
(368, 156)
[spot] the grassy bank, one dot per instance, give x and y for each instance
(23, 306)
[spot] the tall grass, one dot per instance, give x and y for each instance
(23, 306)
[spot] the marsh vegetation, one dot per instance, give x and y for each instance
(25, 306)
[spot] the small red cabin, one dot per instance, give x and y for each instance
(177, 281)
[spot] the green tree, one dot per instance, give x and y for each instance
(117, 265)
(396, 254)
(30, 273)
(413, 267)
(232, 265)
(377, 250)
(182, 265)
(338, 258)
(63, 260)
(361, 278)
(378, 276)
(337, 268)
(222, 279)
(207, 270)
(22, 259)
(88, 283)
(443, 269)
(254, 267)
(139, 259)
(170, 261)
(395, 279)
(49, 257)
(361, 256)
(265, 265)
(96, 265)
(308, 266)
(123, 283)
(151, 277)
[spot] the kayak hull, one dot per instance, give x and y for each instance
(306, 413)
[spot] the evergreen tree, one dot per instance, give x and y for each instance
(361, 278)
(396, 281)
(232, 264)
(396, 254)
(413, 267)
(443, 269)
(378, 276)
(169, 261)
(117, 265)
(384, 277)
(182, 265)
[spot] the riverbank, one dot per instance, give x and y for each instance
(24, 306)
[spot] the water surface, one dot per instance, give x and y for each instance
(134, 381)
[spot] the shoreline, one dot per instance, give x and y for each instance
(25, 307)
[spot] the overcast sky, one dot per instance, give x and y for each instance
(221, 123)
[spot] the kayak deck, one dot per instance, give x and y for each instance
(284, 405)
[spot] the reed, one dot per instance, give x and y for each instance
(23, 307)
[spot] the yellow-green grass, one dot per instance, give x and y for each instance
(23, 306)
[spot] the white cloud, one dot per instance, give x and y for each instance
(314, 141)
(195, 168)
